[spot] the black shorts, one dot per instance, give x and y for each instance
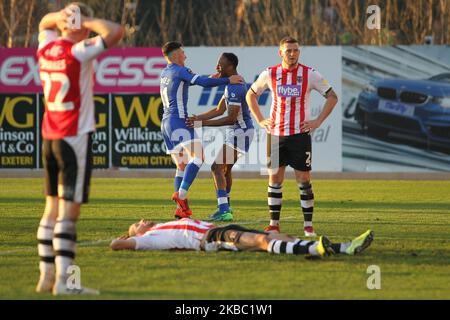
(67, 167)
(219, 234)
(294, 151)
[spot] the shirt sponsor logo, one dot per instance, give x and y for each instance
(289, 90)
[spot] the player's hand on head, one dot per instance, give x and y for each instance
(234, 79)
(62, 19)
(84, 19)
(215, 75)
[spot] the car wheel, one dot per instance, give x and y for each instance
(360, 116)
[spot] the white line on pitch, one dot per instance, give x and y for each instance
(34, 248)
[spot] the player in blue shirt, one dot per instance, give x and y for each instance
(181, 142)
(239, 134)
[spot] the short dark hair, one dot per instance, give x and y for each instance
(288, 39)
(232, 58)
(170, 46)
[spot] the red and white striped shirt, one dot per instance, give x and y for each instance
(67, 75)
(180, 234)
(290, 95)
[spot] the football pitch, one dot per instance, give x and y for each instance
(411, 221)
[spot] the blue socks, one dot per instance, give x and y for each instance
(222, 200)
(228, 195)
(190, 173)
(178, 179)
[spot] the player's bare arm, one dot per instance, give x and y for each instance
(53, 19)
(330, 103)
(123, 243)
(228, 120)
(210, 114)
(110, 32)
(252, 101)
(136, 229)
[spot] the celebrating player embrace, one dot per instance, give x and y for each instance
(181, 141)
(239, 134)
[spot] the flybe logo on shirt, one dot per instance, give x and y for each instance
(289, 90)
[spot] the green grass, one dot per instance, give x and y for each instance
(411, 221)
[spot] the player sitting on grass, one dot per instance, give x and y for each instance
(199, 235)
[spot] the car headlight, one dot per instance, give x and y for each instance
(443, 102)
(370, 88)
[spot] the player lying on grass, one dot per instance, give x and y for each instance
(199, 235)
